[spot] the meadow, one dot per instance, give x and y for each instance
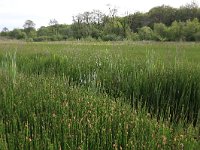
(99, 95)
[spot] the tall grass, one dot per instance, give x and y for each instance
(170, 90)
(99, 96)
(8, 66)
(46, 113)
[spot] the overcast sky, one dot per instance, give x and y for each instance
(13, 13)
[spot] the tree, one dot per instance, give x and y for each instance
(138, 20)
(80, 30)
(175, 31)
(146, 33)
(29, 24)
(65, 31)
(97, 17)
(17, 34)
(53, 23)
(191, 28)
(162, 14)
(78, 18)
(4, 32)
(29, 29)
(43, 31)
(114, 27)
(112, 11)
(5, 29)
(160, 31)
(125, 25)
(87, 17)
(189, 11)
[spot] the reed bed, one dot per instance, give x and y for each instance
(99, 96)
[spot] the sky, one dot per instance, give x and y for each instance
(13, 13)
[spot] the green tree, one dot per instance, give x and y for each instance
(65, 31)
(146, 33)
(4, 32)
(138, 20)
(191, 28)
(125, 25)
(43, 31)
(54, 26)
(80, 30)
(175, 31)
(29, 24)
(29, 29)
(114, 27)
(189, 11)
(17, 34)
(162, 14)
(160, 31)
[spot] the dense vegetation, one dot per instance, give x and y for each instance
(162, 23)
(99, 95)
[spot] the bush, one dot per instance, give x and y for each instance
(41, 38)
(56, 38)
(175, 31)
(17, 34)
(158, 37)
(191, 28)
(160, 31)
(133, 37)
(89, 38)
(112, 37)
(29, 40)
(146, 33)
(197, 36)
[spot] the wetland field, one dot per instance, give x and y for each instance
(99, 95)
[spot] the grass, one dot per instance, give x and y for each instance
(99, 95)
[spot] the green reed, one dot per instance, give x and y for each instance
(99, 96)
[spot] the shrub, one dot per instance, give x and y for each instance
(112, 37)
(197, 36)
(133, 37)
(56, 38)
(41, 38)
(160, 31)
(29, 40)
(146, 33)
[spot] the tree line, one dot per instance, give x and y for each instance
(161, 23)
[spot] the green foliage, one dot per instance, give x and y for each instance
(176, 32)
(111, 37)
(197, 36)
(162, 14)
(191, 28)
(80, 30)
(4, 32)
(160, 31)
(188, 12)
(133, 36)
(90, 95)
(95, 32)
(138, 20)
(42, 38)
(167, 23)
(146, 33)
(29, 24)
(32, 34)
(17, 34)
(56, 38)
(43, 31)
(29, 29)
(113, 27)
